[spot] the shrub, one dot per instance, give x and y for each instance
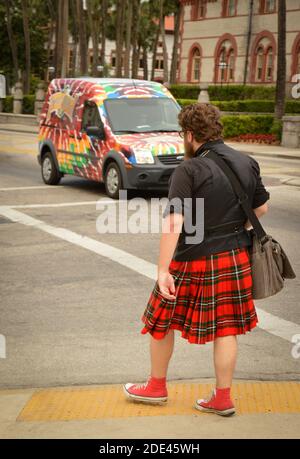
(8, 104)
(230, 92)
(251, 106)
(235, 125)
(276, 128)
(28, 104)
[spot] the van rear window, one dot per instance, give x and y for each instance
(142, 115)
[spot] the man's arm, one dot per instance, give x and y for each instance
(171, 229)
(259, 211)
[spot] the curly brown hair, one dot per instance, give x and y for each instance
(203, 120)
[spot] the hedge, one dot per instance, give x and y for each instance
(28, 104)
(258, 106)
(234, 125)
(230, 92)
(8, 104)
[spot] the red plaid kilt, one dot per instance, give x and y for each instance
(213, 299)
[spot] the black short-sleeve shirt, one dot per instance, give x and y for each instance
(201, 177)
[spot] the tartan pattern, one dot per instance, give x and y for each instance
(213, 299)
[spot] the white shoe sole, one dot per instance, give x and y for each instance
(139, 398)
(228, 412)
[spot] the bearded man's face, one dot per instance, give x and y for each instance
(188, 145)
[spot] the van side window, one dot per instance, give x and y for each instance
(91, 116)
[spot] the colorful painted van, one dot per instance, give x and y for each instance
(121, 132)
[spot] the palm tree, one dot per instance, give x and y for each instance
(128, 38)
(12, 40)
(93, 15)
(61, 39)
(121, 7)
(163, 37)
(177, 19)
(104, 6)
(249, 35)
(281, 61)
(135, 32)
(83, 45)
(25, 15)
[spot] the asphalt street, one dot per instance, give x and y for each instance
(71, 301)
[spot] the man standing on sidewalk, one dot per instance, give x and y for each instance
(204, 290)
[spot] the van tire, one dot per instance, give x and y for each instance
(50, 173)
(113, 180)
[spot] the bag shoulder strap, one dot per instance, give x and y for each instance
(239, 191)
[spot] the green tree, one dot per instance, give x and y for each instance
(281, 61)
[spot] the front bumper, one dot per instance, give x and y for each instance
(148, 176)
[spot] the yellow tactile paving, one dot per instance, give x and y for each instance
(63, 404)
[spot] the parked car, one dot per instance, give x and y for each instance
(122, 132)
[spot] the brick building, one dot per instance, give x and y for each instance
(217, 36)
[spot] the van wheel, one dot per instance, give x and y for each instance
(50, 173)
(113, 180)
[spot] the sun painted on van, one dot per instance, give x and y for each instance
(83, 155)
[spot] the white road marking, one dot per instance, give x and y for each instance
(268, 322)
(119, 256)
(16, 188)
(58, 204)
(277, 326)
(63, 204)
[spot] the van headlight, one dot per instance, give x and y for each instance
(143, 156)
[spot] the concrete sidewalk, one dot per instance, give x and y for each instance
(264, 410)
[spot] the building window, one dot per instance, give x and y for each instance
(222, 65)
(113, 59)
(225, 62)
(267, 6)
(269, 61)
(229, 8)
(198, 10)
(295, 69)
(259, 64)
(263, 60)
(231, 66)
(159, 63)
(196, 63)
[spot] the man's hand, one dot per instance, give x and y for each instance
(166, 285)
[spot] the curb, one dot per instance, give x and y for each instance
(21, 131)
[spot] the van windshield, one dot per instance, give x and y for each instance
(142, 115)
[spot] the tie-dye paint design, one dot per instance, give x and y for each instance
(79, 154)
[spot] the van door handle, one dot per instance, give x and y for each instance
(79, 137)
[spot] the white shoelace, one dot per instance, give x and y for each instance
(141, 386)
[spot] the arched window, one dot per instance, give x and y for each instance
(269, 64)
(199, 10)
(229, 8)
(263, 53)
(267, 6)
(295, 69)
(260, 64)
(222, 65)
(231, 60)
(196, 63)
(225, 61)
